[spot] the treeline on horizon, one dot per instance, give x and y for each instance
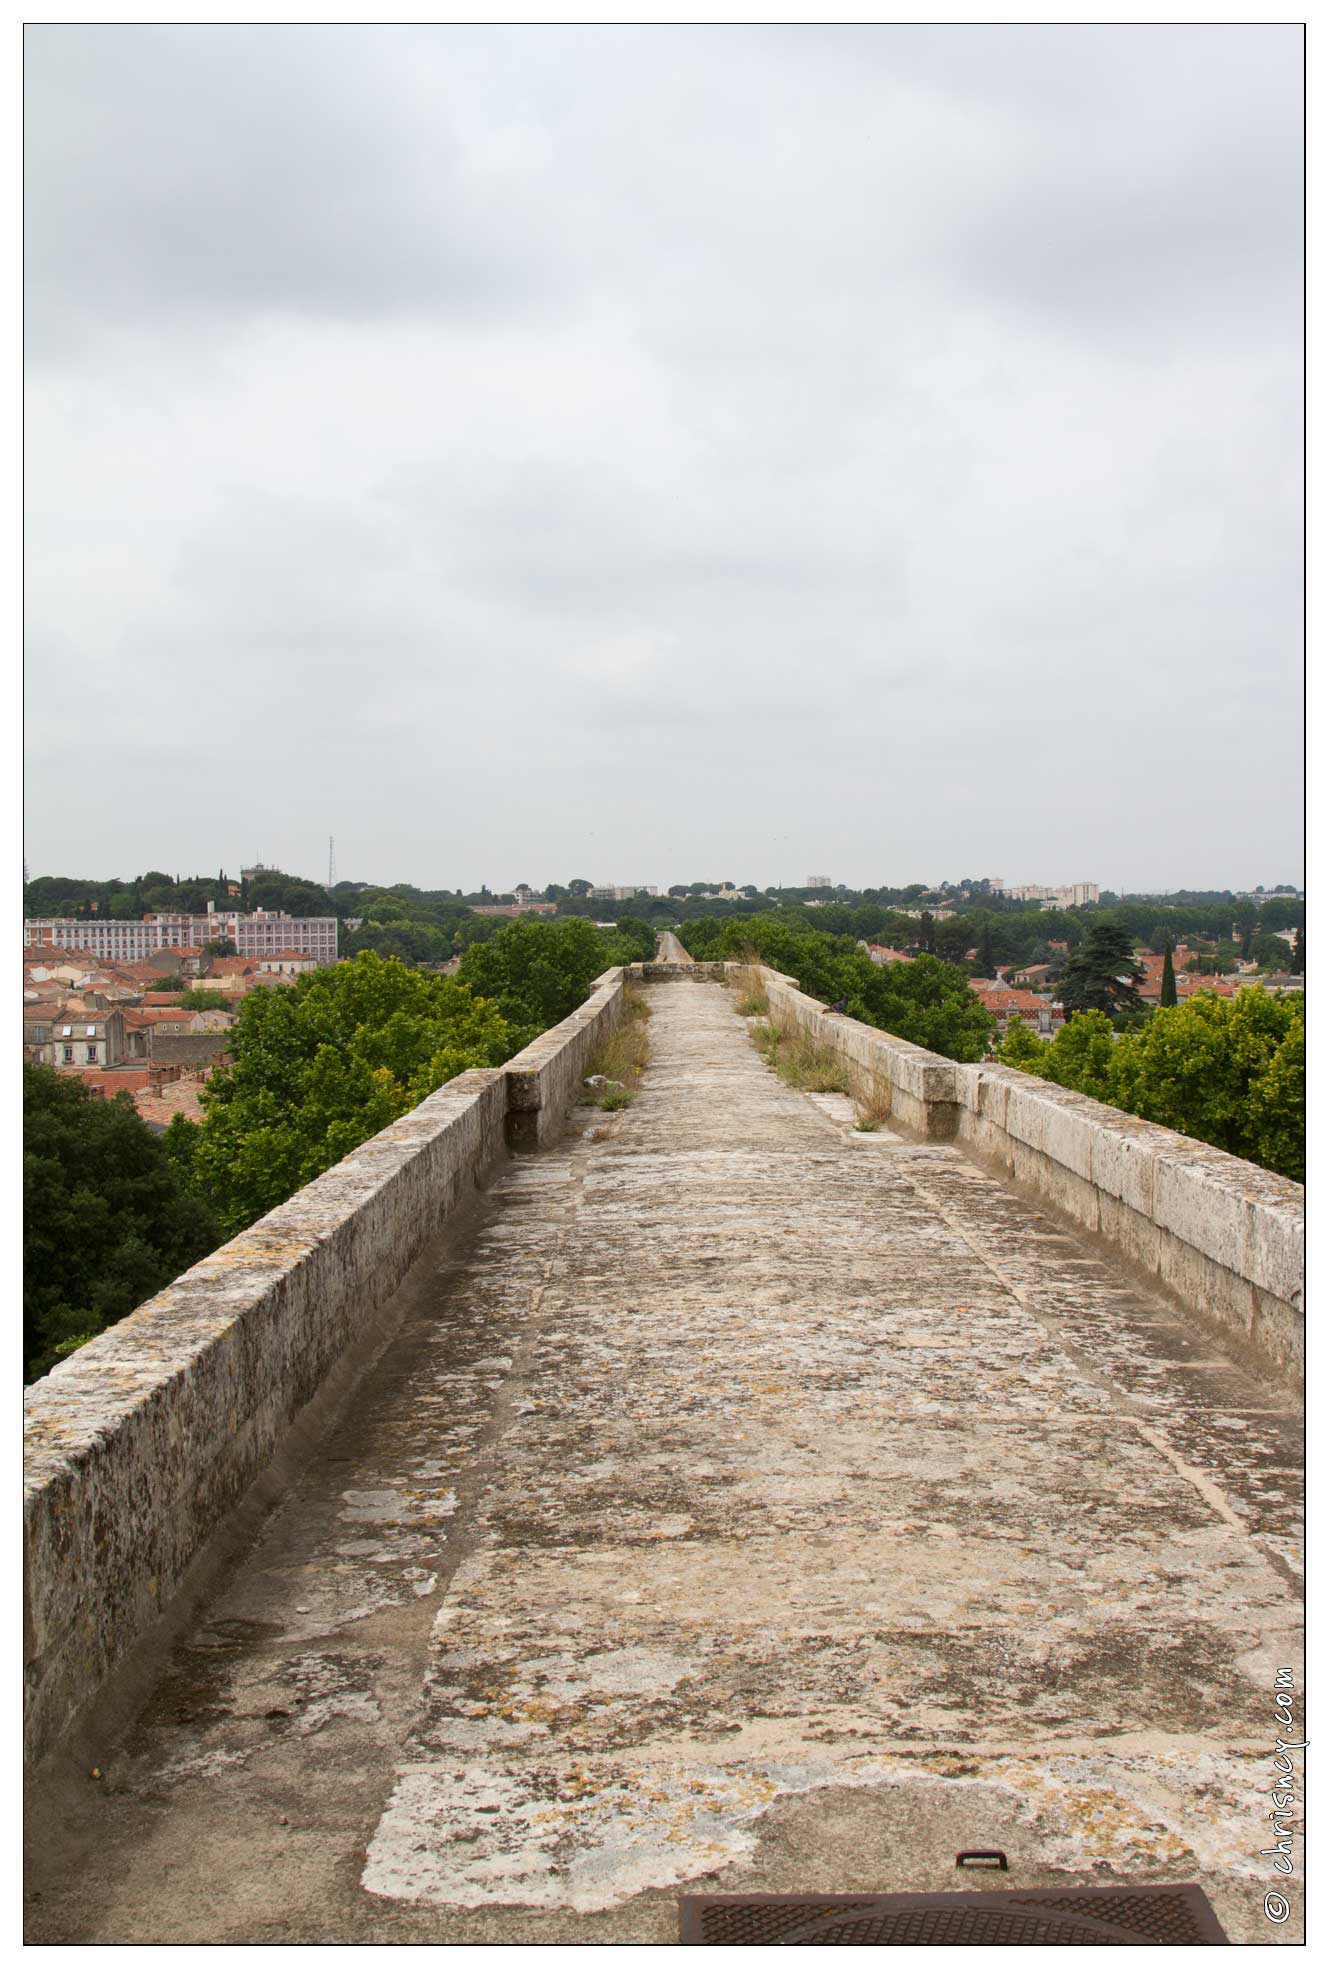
(431, 926)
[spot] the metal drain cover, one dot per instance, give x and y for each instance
(1084, 1917)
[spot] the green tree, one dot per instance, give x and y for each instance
(1277, 1107)
(321, 1066)
(927, 1001)
(274, 890)
(203, 1000)
(1245, 916)
(580, 887)
(1297, 962)
(1195, 1069)
(1022, 1048)
(633, 941)
(538, 971)
(1102, 975)
(107, 1217)
(1229, 1071)
(1082, 1055)
(1271, 953)
(221, 947)
(1168, 992)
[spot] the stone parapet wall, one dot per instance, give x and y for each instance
(666, 971)
(140, 1447)
(545, 1079)
(921, 1085)
(1225, 1236)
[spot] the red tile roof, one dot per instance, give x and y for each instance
(1002, 1000)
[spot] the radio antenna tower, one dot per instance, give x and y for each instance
(332, 863)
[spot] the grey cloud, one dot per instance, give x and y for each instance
(435, 432)
(231, 170)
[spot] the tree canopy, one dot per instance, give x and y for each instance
(1229, 1071)
(1102, 975)
(109, 1217)
(321, 1066)
(927, 1002)
(538, 971)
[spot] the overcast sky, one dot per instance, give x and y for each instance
(661, 454)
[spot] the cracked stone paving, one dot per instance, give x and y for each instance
(743, 1502)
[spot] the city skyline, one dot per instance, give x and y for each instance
(436, 881)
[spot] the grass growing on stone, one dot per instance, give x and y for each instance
(622, 1056)
(750, 988)
(749, 985)
(800, 1060)
(872, 1100)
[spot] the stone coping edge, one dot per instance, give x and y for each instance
(1156, 1194)
(141, 1446)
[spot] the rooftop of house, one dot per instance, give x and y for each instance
(1008, 999)
(140, 969)
(159, 1106)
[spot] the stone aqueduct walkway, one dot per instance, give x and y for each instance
(743, 1503)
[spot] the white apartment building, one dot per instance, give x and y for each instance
(1071, 895)
(612, 892)
(261, 934)
(818, 882)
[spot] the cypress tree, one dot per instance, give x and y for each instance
(1298, 962)
(1168, 994)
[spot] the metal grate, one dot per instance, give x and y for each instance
(1084, 1917)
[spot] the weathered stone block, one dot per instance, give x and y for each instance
(1125, 1155)
(1275, 1247)
(1200, 1196)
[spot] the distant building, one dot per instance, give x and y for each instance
(514, 908)
(818, 882)
(1043, 1014)
(258, 933)
(1072, 895)
(289, 963)
(37, 1022)
(88, 1039)
(613, 892)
